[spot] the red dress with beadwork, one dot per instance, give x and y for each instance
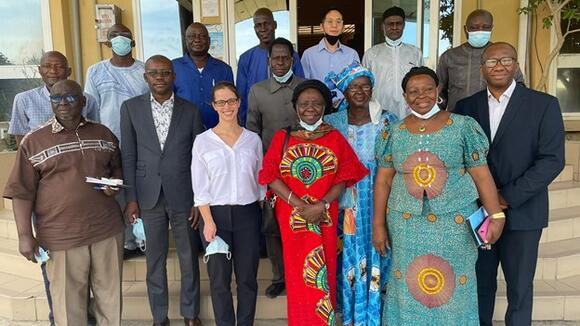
(310, 168)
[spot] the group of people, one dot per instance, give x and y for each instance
(372, 169)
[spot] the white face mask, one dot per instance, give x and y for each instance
(284, 78)
(394, 43)
(311, 127)
(427, 115)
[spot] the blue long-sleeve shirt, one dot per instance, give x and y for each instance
(196, 86)
(253, 67)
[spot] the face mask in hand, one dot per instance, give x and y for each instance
(42, 256)
(139, 233)
(217, 246)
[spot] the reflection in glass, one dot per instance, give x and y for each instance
(567, 88)
(160, 28)
(246, 37)
(410, 8)
(22, 39)
(446, 9)
(9, 88)
(572, 42)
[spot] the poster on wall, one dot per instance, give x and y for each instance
(210, 12)
(216, 47)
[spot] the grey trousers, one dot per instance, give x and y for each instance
(156, 222)
(239, 227)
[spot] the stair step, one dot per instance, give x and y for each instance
(564, 224)
(567, 174)
(564, 194)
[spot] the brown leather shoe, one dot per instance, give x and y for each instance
(192, 322)
(163, 323)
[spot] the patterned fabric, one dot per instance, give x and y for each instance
(32, 108)
(361, 270)
(162, 117)
(432, 277)
(343, 78)
(310, 169)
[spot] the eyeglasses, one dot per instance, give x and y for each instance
(56, 99)
(332, 21)
(316, 105)
(162, 73)
(222, 103)
(505, 61)
(364, 88)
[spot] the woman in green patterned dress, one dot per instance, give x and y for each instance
(432, 170)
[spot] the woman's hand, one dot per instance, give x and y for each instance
(381, 240)
(494, 230)
(209, 231)
(110, 191)
(312, 213)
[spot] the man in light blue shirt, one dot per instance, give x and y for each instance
(32, 108)
(253, 65)
(329, 54)
(114, 81)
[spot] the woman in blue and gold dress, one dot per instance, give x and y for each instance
(432, 171)
(361, 269)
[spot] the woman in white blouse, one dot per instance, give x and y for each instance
(224, 169)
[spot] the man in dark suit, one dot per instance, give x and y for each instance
(158, 129)
(526, 133)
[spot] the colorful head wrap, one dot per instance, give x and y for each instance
(341, 80)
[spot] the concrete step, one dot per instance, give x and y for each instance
(135, 269)
(564, 194)
(553, 300)
(567, 174)
(572, 155)
(24, 299)
(564, 224)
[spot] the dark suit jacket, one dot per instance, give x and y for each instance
(148, 169)
(527, 152)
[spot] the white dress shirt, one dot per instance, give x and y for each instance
(497, 108)
(162, 117)
(224, 175)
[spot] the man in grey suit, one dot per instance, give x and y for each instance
(269, 109)
(158, 129)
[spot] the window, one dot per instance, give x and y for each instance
(25, 37)
(160, 28)
(568, 73)
(246, 37)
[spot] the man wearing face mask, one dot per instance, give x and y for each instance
(253, 64)
(458, 68)
(329, 54)
(270, 109)
(390, 61)
(112, 82)
(197, 72)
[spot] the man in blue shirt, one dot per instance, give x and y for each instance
(253, 65)
(330, 54)
(197, 72)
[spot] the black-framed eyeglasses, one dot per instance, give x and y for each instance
(505, 61)
(222, 103)
(162, 73)
(57, 99)
(364, 88)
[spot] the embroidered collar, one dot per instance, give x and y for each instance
(57, 127)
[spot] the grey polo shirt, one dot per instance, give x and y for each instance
(270, 108)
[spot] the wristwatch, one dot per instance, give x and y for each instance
(326, 204)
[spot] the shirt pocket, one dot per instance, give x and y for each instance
(216, 162)
(249, 161)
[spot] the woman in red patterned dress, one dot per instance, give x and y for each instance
(307, 171)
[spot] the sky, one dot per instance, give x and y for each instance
(22, 34)
(160, 28)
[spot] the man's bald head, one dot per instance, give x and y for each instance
(66, 87)
(264, 12)
(158, 58)
(197, 40)
(505, 46)
(56, 55)
(480, 14)
(53, 67)
(119, 29)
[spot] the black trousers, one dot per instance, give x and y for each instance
(239, 227)
(517, 251)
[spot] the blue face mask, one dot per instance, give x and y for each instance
(284, 78)
(42, 256)
(217, 246)
(121, 45)
(478, 39)
(139, 233)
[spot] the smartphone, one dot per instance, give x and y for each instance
(482, 229)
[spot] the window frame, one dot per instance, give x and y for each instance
(565, 60)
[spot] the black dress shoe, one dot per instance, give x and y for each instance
(192, 322)
(128, 253)
(163, 323)
(275, 289)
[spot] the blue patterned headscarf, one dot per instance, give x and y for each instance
(341, 80)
